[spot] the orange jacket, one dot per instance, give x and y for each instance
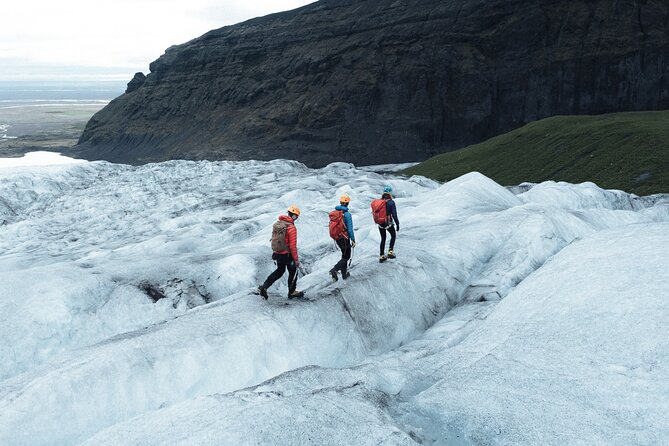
(291, 237)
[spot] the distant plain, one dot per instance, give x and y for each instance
(52, 127)
(49, 115)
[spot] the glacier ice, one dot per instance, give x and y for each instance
(502, 311)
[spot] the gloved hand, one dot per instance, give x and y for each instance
(296, 263)
(353, 244)
(398, 228)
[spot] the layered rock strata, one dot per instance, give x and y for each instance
(379, 81)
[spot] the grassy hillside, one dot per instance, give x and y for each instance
(628, 151)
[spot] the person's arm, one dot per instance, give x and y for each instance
(291, 236)
(349, 226)
(393, 212)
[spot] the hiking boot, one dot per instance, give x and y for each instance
(391, 254)
(333, 274)
(263, 292)
(295, 294)
(382, 259)
(345, 275)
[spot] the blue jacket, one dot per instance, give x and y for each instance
(348, 220)
(391, 209)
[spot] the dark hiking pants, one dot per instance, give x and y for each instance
(393, 234)
(345, 246)
(283, 261)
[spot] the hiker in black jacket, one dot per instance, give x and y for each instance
(392, 221)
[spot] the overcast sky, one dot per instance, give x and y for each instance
(109, 38)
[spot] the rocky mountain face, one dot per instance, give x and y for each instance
(378, 81)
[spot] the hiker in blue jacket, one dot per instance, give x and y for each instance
(345, 240)
(391, 211)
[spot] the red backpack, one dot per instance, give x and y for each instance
(379, 211)
(337, 225)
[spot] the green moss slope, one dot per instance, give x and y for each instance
(628, 151)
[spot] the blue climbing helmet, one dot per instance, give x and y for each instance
(387, 190)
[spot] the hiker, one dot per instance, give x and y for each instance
(284, 247)
(385, 216)
(341, 230)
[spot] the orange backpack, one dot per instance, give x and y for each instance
(379, 211)
(337, 225)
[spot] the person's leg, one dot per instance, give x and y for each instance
(280, 269)
(345, 246)
(292, 277)
(281, 263)
(347, 257)
(393, 233)
(382, 248)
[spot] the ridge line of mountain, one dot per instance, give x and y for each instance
(385, 81)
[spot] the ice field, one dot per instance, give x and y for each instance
(526, 315)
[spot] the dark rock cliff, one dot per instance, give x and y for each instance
(377, 81)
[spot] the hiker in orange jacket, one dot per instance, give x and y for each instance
(284, 247)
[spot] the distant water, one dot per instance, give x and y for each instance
(28, 107)
(36, 92)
